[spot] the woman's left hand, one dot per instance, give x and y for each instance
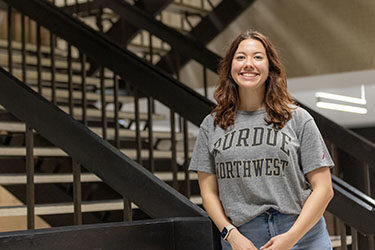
(279, 242)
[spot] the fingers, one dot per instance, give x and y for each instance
(269, 243)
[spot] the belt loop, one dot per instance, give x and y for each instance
(267, 214)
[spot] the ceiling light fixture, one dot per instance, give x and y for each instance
(341, 102)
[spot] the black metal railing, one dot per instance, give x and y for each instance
(143, 78)
(188, 48)
(163, 234)
(77, 83)
(131, 180)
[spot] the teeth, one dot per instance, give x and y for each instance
(248, 74)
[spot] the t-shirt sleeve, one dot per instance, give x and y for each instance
(202, 159)
(313, 151)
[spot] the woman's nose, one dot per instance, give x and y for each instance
(249, 63)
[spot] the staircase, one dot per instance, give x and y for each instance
(52, 163)
(164, 153)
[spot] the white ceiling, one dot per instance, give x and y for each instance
(348, 84)
(324, 45)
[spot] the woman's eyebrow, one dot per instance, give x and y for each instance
(240, 52)
(256, 52)
(259, 52)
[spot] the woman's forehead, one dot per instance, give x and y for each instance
(250, 45)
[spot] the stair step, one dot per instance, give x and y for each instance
(60, 63)
(18, 179)
(56, 152)
(64, 94)
(18, 127)
(31, 47)
(64, 208)
(32, 60)
(96, 113)
(32, 78)
(68, 208)
(336, 240)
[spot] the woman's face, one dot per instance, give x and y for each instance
(250, 65)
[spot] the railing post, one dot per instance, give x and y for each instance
(116, 109)
(371, 242)
(83, 86)
(76, 167)
(186, 159)
(30, 188)
(103, 103)
(177, 72)
(128, 213)
(39, 59)
(99, 23)
(10, 37)
(29, 141)
(137, 127)
(205, 81)
(161, 20)
(343, 235)
(70, 84)
(368, 182)
(77, 193)
(150, 48)
(354, 233)
(23, 48)
(173, 150)
(53, 68)
(150, 134)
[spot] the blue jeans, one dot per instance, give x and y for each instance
(271, 223)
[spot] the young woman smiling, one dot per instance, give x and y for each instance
(263, 167)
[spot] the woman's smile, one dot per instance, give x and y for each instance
(250, 65)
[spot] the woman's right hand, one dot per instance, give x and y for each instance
(239, 242)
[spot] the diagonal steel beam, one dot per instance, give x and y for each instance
(121, 32)
(186, 46)
(129, 67)
(209, 27)
(189, 47)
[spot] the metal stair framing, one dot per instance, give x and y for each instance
(202, 104)
(14, 128)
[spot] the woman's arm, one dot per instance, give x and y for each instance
(312, 211)
(214, 208)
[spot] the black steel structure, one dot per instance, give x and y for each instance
(163, 234)
(127, 177)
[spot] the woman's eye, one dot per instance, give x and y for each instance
(258, 57)
(240, 57)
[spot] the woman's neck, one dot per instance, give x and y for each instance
(251, 100)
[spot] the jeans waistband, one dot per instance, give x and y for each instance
(271, 211)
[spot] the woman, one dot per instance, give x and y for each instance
(263, 167)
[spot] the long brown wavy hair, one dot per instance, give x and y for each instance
(277, 98)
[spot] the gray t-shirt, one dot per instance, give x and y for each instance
(259, 167)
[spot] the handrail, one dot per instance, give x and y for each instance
(117, 170)
(166, 234)
(361, 214)
(347, 140)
